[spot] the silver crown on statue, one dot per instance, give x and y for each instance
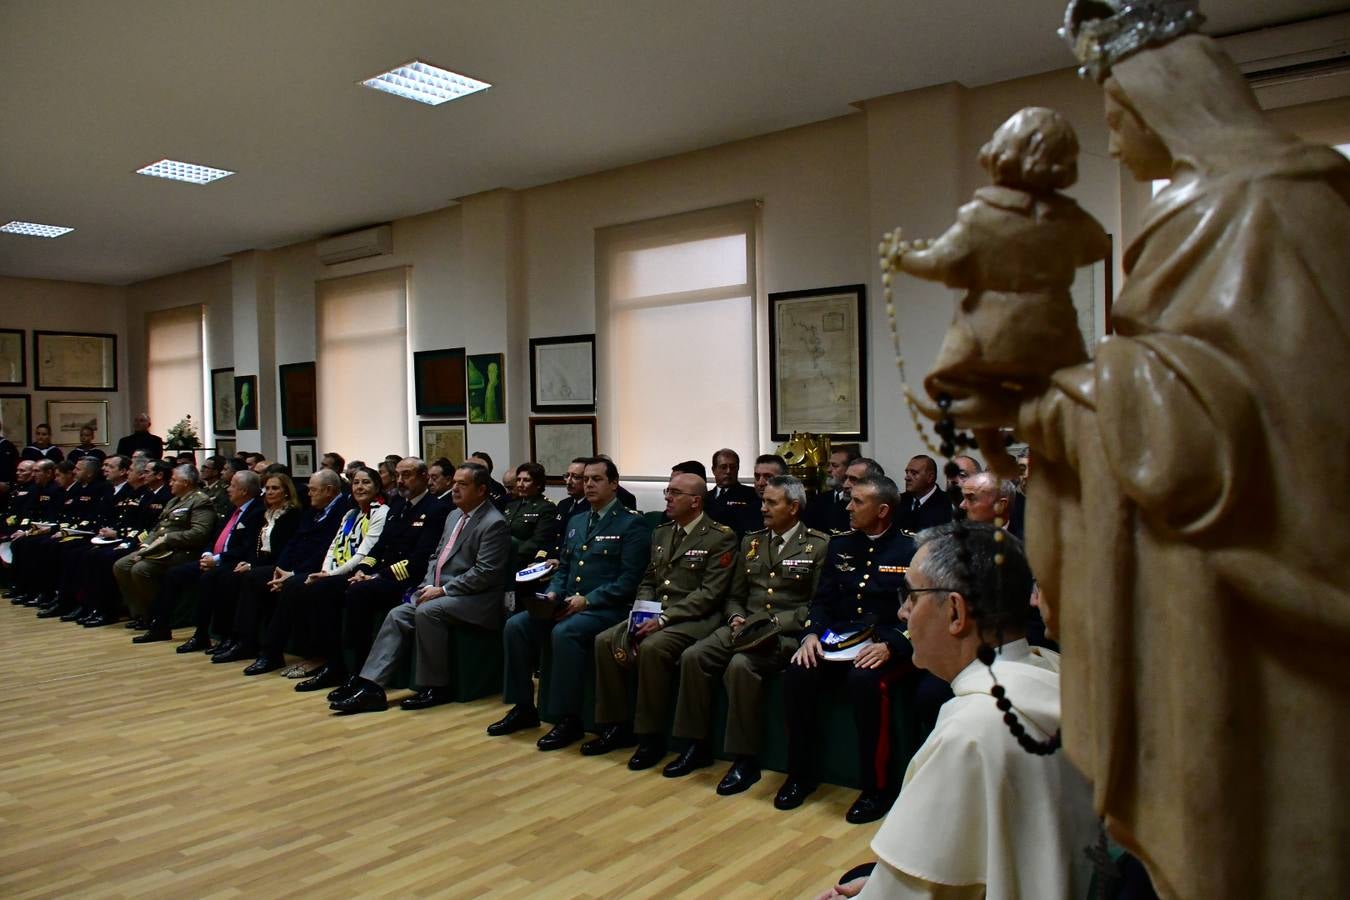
(1103, 32)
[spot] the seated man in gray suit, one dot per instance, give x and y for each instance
(465, 582)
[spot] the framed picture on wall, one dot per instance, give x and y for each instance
(13, 358)
(562, 374)
(299, 400)
(818, 362)
(74, 361)
(246, 402)
(16, 411)
(222, 401)
(447, 437)
(300, 457)
(487, 388)
(438, 382)
(225, 447)
(67, 417)
(557, 440)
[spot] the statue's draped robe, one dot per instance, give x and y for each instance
(1188, 522)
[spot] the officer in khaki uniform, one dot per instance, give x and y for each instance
(775, 579)
(183, 529)
(692, 561)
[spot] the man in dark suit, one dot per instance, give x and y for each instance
(212, 573)
(141, 439)
(923, 505)
(497, 491)
(604, 553)
(733, 504)
(302, 555)
(465, 581)
(575, 501)
(859, 588)
(392, 567)
(827, 511)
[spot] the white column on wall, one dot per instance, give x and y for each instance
(676, 338)
(173, 356)
(361, 343)
(255, 346)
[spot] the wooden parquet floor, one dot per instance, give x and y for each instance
(132, 771)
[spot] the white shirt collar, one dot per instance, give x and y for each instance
(974, 678)
(931, 492)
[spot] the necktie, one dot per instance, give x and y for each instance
(592, 522)
(776, 550)
(449, 548)
(224, 536)
(679, 539)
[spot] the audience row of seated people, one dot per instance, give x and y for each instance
(418, 549)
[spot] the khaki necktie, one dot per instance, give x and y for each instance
(677, 540)
(776, 550)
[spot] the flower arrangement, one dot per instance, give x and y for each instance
(183, 436)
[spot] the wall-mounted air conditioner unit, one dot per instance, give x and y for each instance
(1297, 63)
(377, 241)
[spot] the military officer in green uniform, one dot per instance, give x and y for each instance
(183, 529)
(775, 579)
(532, 517)
(690, 571)
(604, 553)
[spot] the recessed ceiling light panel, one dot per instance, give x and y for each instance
(182, 171)
(425, 83)
(33, 229)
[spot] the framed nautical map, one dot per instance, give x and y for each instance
(562, 374)
(16, 411)
(13, 359)
(818, 362)
(74, 361)
(557, 440)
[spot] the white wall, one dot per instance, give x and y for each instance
(493, 270)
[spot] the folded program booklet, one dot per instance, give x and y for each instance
(642, 611)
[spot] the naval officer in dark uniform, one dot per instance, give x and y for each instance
(775, 578)
(861, 583)
(604, 553)
(730, 502)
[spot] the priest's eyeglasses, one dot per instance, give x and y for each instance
(907, 590)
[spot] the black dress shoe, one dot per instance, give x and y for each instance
(75, 614)
(870, 806)
(195, 644)
(427, 697)
(650, 752)
(97, 620)
(742, 774)
(263, 664)
(234, 653)
(368, 697)
(17, 599)
(135, 624)
(324, 677)
(793, 793)
(46, 601)
(612, 737)
(566, 733)
(347, 688)
(224, 646)
(50, 612)
(31, 600)
(695, 756)
(518, 718)
(152, 635)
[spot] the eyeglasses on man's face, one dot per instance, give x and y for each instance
(672, 492)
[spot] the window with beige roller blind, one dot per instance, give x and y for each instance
(175, 373)
(362, 364)
(676, 313)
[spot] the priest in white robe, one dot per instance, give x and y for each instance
(978, 815)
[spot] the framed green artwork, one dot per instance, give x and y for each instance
(487, 388)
